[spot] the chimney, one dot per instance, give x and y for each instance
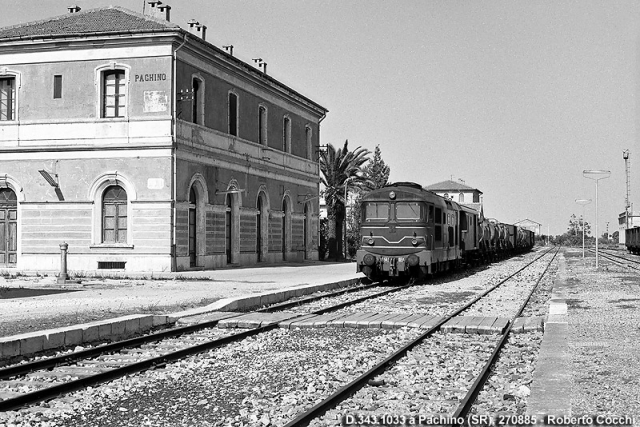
(197, 29)
(74, 9)
(164, 12)
(158, 10)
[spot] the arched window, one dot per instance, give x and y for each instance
(307, 135)
(233, 114)
(286, 135)
(197, 105)
(114, 215)
(262, 125)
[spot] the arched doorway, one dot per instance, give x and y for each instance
(259, 216)
(192, 227)
(8, 228)
(286, 217)
(229, 227)
(305, 230)
(114, 215)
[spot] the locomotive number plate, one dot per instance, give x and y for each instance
(387, 259)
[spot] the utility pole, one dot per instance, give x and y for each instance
(627, 168)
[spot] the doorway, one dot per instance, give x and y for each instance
(192, 227)
(8, 228)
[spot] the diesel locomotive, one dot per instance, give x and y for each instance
(409, 231)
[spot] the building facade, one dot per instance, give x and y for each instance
(627, 221)
(459, 192)
(530, 225)
(146, 148)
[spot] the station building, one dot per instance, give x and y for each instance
(626, 220)
(146, 148)
(459, 192)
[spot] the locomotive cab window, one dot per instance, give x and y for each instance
(376, 211)
(411, 211)
(463, 221)
(438, 228)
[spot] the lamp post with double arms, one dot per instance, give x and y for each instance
(596, 175)
(583, 202)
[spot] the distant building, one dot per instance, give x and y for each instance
(528, 224)
(458, 192)
(633, 221)
(147, 148)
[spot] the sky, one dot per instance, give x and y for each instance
(515, 97)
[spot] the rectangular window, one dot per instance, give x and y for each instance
(376, 212)
(233, 114)
(438, 216)
(411, 211)
(431, 215)
(7, 98)
(57, 86)
(113, 90)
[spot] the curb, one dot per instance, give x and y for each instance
(31, 343)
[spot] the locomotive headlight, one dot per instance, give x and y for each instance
(370, 241)
(414, 242)
(369, 259)
(392, 195)
(413, 260)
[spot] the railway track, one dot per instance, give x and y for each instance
(456, 417)
(49, 377)
(614, 257)
(77, 371)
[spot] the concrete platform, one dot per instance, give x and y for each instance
(551, 387)
(460, 324)
(253, 288)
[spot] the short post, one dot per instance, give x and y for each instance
(63, 277)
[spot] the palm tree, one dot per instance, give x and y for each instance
(339, 168)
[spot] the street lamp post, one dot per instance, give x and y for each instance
(596, 175)
(583, 202)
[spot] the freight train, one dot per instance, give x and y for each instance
(409, 231)
(632, 240)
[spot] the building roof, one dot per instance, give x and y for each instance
(102, 20)
(527, 221)
(450, 186)
(114, 20)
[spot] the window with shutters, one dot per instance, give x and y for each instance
(114, 97)
(114, 215)
(7, 98)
